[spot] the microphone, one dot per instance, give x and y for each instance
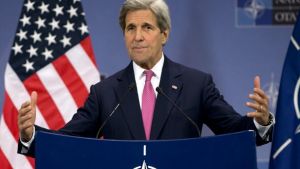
(160, 91)
(130, 87)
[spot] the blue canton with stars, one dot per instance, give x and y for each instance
(47, 29)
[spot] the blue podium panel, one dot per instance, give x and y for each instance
(232, 151)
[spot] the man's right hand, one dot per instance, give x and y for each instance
(26, 118)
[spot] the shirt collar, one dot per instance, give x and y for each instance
(157, 69)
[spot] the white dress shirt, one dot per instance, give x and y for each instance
(140, 77)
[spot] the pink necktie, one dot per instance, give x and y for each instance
(148, 103)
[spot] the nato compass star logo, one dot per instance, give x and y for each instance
(254, 8)
(144, 165)
(254, 12)
(296, 105)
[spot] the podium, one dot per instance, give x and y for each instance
(230, 151)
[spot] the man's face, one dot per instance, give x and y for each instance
(144, 40)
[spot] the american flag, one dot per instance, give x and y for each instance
(51, 54)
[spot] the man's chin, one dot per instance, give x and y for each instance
(141, 63)
(138, 58)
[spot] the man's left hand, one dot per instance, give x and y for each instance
(260, 104)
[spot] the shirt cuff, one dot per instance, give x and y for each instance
(263, 130)
(28, 144)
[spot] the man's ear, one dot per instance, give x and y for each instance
(165, 36)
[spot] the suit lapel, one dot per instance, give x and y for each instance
(130, 106)
(170, 83)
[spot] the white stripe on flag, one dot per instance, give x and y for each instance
(18, 94)
(281, 148)
(297, 129)
(58, 91)
(83, 65)
(295, 43)
(9, 148)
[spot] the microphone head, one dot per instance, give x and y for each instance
(159, 90)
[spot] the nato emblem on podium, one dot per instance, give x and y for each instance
(144, 164)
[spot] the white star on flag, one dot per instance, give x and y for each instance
(69, 26)
(58, 10)
(40, 22)
(25, 20)
(66, 41)
(51, 39)
(48, 54)
(44, 8)
(54, 24)
(32, 51)
(72, 11)
(17, 48)
(22, 34)
(29, 5)
(83, 28)
(28, 65)
(36, 37)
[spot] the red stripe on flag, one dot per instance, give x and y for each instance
(31, 161)
(71, 79)
(45, 103)
(88, 48)
(10, 115)
(4, 162)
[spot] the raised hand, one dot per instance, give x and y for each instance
(26, 118)
(260, 104)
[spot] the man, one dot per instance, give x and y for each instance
(144, 113)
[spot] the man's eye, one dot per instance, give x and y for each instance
(130, 28)
(148, 27)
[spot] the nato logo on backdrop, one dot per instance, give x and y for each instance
(252, 13)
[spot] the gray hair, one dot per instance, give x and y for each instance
(159, 8)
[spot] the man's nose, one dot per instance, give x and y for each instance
(139, 35)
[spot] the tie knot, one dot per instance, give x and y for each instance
(149, 74)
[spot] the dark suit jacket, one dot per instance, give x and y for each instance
(196, 94)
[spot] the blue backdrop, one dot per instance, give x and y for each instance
(204, 35)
